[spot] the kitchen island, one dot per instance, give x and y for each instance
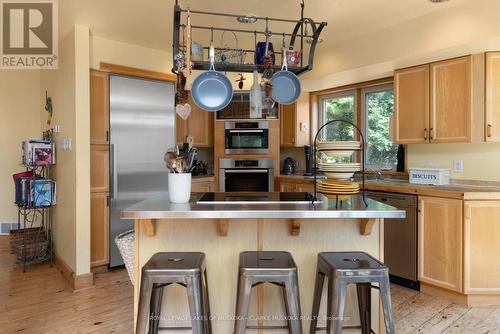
(229, 223)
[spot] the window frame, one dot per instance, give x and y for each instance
(364, 120)
(344, 93)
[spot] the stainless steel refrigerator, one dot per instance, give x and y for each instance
(142, 128)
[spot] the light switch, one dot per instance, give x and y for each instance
(304, 127)
(66, 144)
(458, 166)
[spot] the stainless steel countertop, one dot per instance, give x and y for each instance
(159, 207)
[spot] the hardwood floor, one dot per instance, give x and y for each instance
(40, 301)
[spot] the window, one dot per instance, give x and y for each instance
(378, 107)
(375, 111)
(338, 106)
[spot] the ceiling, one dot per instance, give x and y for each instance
(149, 22)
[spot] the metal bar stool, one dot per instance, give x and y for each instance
(277, 268)
(341, 269)
(184, 268)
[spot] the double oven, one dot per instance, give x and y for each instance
(242, 169)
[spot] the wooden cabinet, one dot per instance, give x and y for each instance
(440, 242)
(292, 118)
(411, 105)
(442, 102)
(99, 107)
(492, 124)
(451, 110)
(287, 187)
(99, 168)
(199, 125)
(294, 185)
(99, 229)
(481, 247)
(203, 184)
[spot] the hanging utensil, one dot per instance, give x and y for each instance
(240, 81)
(212, 90)
(187, 68)
(286, 85)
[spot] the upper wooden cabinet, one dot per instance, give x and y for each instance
(411, 105)
(99, 107)
(442, 102)
(492, 124)
(440, 242)
(199, 125)
(451, 110)
(292, 118)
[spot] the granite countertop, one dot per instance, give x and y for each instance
(159, 207)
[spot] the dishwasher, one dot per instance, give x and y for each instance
(400, 238)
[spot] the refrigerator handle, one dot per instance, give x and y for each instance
(114, 175)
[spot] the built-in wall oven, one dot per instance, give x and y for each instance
(246, 137)
(246, 175)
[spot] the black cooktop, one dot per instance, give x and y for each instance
(256, 198)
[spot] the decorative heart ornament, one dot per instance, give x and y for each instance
(183, 110)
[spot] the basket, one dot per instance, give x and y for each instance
(228, 55)
(32, 251)
(125, 243)
(32, 234)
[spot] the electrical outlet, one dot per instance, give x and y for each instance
(304, 127)
(458, 166)
(57, 129)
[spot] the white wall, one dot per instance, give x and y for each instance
(20, 119)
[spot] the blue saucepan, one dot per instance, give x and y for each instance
(286, 85)
(212, 90)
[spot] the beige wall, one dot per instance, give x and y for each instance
(481, 161)
(20, 119)
(471, 27)
(120, 53)
(69, 88)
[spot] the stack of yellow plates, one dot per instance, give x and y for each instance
(335, 187)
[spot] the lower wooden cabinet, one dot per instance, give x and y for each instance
(481, 247)
(99, 229)
(203, 184)
(440, 242)
(298, 185)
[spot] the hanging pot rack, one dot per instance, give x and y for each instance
(297, 33)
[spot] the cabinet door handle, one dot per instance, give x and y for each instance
(488, 130)
(425, 134)
(431, 133)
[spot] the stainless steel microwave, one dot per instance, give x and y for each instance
(246, 137)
